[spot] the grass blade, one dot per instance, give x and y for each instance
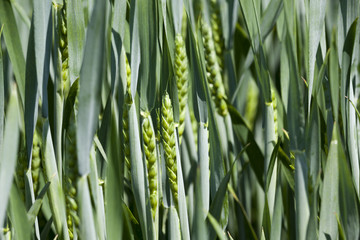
(87, 227)
(55, 193)
(8, 153)
(316, 16)
(2, 97)
(12, 41)
(42, 41)
(76, 35)
(330, 193)
(91, 78)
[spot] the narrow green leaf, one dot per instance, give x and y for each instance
(183, 212)
(245, 136)
(217, 203)
(316, 16)
(330, 192)
(12, 41)
(295, 113)
(252, 233)
(55, 193)
(134, 44)
(313, 143)
(197, 72)
(97, 197)
(348, 12)
(177, 14)
(321, 75)
(2, 97)
(203, 156)
(334, 76)
(348, 199)
(35, 208)
(266, 222)
(17, 213)
(250, 13)
(46, 230)
(301, 195)
(87, 227)
(199, 228)
(8, 153)
(174, 224)
(43, 41)
(313, 226)
(277, 217)
(76, 35)
(138, 176)
(92, 73)
(31, 92)
(148, 48)
(272, 164)
(270, 16)
(114, 182)
(119, 17)
(219, 232)
(347, 57)
(341, 230)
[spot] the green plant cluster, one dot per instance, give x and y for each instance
(160, 119)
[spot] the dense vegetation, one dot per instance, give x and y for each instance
(149, 119)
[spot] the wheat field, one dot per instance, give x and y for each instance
(179, 119)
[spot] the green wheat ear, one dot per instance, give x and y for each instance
(126, 144)
(215, 20)
(20, 170)
(181, 75)
(125, 119)
(150, 155)
(252, 102)
(168, 137)
(128, 74)
(213, 71)
(36, 160)
(274, 105)
(184, 24)
(21, 166)
(71, 176)
(64, 50)
(194, 127)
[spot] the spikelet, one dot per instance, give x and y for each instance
(20, 171)
(274, 105)
(36, 160)
(215, 20)
(181, 75)
(21, 166)
(158, 129)
(64, 50)
(71, 175)
(252, 101)
(184, 23)
(126, 145)
(128, 74)
(150, 156)
(213, 72)
(194, 126)
(168, 137)
(125, 119)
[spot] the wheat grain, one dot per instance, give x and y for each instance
(150, 155)
(213, 72)
(181, 75)
(169, 141)
(71, 176)
(215, 20)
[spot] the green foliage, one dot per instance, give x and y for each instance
(156, 119)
